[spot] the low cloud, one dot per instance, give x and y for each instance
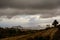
(10, 12)
(27, 21)
(45, 8)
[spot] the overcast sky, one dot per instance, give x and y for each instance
(28, 12)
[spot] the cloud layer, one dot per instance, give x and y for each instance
(10, 12)
(45, 8)
(27, 21)
(34, 4)
(29, 12)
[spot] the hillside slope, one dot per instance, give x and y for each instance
(47, 34)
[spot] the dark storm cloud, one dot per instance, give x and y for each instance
(32, 4)
(46, 8)
(10, 12)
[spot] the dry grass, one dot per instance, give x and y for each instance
(49, 32)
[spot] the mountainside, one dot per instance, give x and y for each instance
(46, 34)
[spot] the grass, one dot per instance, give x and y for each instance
(46, 34)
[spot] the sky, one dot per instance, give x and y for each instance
(29, 12)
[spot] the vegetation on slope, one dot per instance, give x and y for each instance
(46, 34)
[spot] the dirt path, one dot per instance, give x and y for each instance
(49, 32)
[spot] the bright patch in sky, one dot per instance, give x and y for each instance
(27, 20)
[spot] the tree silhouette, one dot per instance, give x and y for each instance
(55, 23)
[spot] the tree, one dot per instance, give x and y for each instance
(55, 23)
